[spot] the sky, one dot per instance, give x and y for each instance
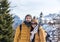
(34, 7)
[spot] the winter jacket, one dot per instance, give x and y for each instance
(40, 36)
(23, 35)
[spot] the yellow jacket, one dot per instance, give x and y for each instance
(41, 37)
(24, 35)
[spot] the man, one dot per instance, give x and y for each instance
(23, 32)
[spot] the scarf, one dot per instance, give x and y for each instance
(35, 30)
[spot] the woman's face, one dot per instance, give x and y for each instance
(34, 24)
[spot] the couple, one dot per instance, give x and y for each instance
(28, 31)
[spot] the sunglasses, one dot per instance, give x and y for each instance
(34, 23)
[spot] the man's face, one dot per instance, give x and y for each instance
(28, 19)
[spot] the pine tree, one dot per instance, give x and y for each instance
(6, 20)
(41, 15)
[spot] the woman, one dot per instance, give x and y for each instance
(37, 34)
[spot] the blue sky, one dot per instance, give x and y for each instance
(34, 7)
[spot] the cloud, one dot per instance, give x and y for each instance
(34, 7)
